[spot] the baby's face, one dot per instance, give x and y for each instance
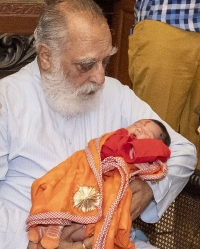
(145, 128)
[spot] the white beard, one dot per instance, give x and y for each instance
(66, 99)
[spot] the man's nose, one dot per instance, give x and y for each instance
(98, 74)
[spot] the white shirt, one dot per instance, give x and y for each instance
(33, 139)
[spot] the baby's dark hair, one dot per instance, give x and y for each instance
(165, 137)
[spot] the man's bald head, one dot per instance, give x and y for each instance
(53, 28)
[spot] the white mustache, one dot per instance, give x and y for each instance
(88, 89)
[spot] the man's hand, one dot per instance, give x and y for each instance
(66, 241)
(65, 237)
(142, 194)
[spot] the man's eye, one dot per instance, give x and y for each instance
(105, 61)
(85, 67)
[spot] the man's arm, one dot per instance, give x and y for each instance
(181, 164)
(142, 195)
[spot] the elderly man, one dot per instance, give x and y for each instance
(56, 104)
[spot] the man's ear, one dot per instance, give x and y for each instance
(44, 55)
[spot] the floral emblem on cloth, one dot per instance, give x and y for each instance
(86, 199)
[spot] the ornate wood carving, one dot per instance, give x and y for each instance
(15, 50)
(195, 178)
(19, 8)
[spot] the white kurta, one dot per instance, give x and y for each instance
(33, 139)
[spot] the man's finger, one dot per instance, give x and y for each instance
(69, 230)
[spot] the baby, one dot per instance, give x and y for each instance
(81, 190)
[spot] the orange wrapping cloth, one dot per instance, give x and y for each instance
(85, 190)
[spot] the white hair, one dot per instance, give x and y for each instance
(52, 28)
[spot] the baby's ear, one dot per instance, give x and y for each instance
(44, 56)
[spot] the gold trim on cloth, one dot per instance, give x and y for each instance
(86, 199)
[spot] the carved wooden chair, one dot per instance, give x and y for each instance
(15, 52)
(19, 18)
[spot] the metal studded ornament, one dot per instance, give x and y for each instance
(86, 199)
